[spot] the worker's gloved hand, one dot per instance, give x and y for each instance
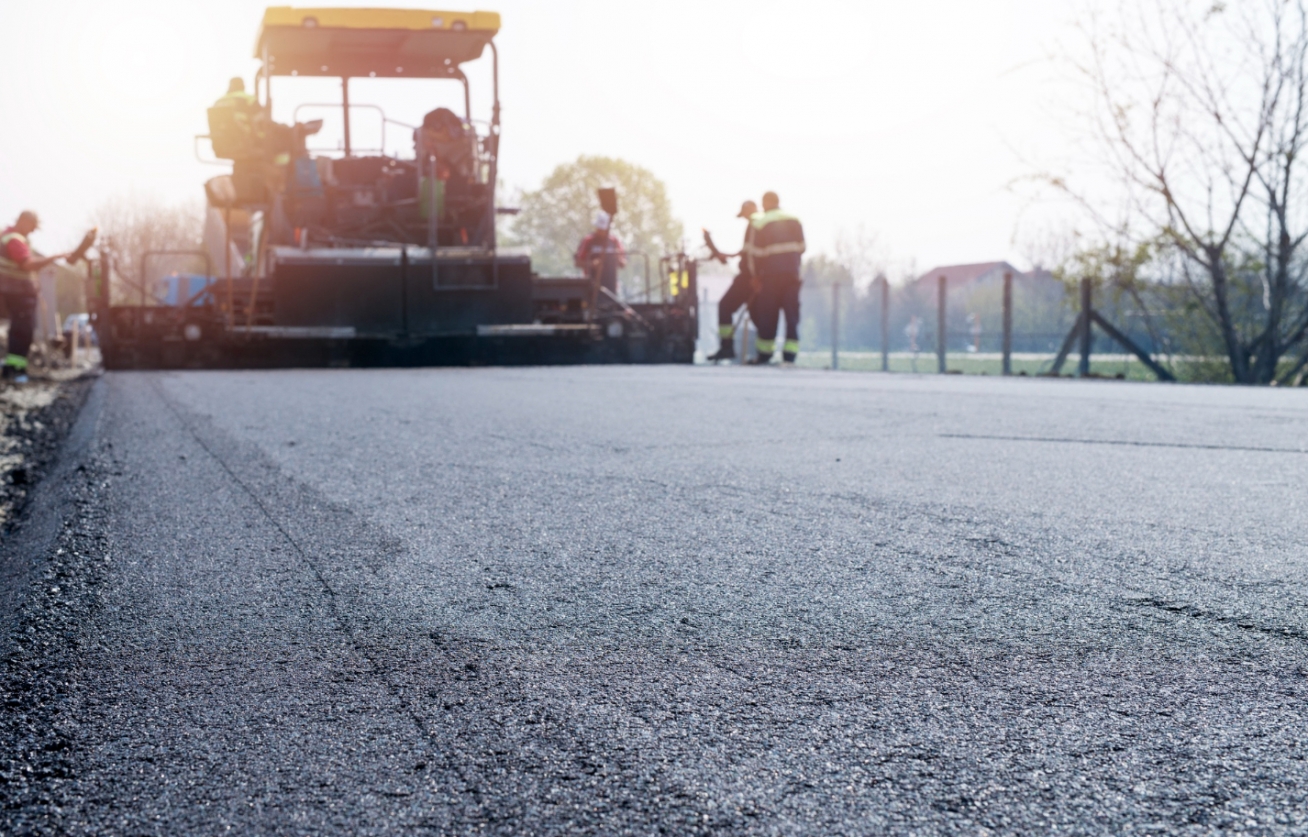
(713, 248)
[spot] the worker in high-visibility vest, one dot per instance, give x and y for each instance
(242, 131)
(774, 256)
(742, 291)
(236, 123)
(238, 96)
(18, 269)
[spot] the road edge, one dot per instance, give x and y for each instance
(32, 537)
(53, 563)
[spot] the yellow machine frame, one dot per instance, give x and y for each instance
(386, 43)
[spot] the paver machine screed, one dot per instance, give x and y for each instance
(384, 255)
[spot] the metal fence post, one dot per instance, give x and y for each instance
(835, 325)
(1083, 369)
(1008, 324)
(103, 326)
(941, 341)
(885, 323)
(699, 333)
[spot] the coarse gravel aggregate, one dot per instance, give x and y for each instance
(664, 600)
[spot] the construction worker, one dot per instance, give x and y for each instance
(601, 254)
(235, 123)
(18, 269)
(742, 291)
(236, 96)
(774, 256)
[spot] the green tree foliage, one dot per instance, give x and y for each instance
(1142, 288)
(561, 212)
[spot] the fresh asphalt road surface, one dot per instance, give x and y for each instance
(681, 600)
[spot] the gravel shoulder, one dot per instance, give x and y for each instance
(34, 420)
(47, 584)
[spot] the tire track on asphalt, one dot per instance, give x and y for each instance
(1126, 443)
(344, 624)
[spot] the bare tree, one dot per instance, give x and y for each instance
(861, 253)
(134, 226)
(1200, 112)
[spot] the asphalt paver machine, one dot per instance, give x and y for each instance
(379, 256)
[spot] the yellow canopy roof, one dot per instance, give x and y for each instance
(396, 43)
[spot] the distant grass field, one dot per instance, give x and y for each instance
(1188, 369)
(1110, 366)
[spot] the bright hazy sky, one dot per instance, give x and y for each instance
(908, 119)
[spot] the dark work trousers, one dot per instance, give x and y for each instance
(778, 294)
(603, 272)
(22, 320)
(609, 272)
(740, 293)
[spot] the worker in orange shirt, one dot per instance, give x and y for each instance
(601, 254)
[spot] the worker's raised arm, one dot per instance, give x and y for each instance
(713, 248)
(32, 264)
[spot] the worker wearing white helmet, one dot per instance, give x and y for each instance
(601, 254)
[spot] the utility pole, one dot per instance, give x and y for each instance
(941, 341)
(1008, 324)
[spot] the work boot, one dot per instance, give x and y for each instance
(789, 357)
(14, 369)
(760, 360)
(727, 351)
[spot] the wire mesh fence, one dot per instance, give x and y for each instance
(1031, 319)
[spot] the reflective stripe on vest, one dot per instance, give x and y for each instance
(779, 247)
(776, 244)
(9, 267)
(237, 98)
(759, 220)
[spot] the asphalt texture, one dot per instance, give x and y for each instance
(663, 601)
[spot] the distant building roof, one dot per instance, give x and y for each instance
(963, 274)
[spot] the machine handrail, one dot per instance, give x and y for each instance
(145, 262)
(295, 117)
(195, 146)
(645, 257)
